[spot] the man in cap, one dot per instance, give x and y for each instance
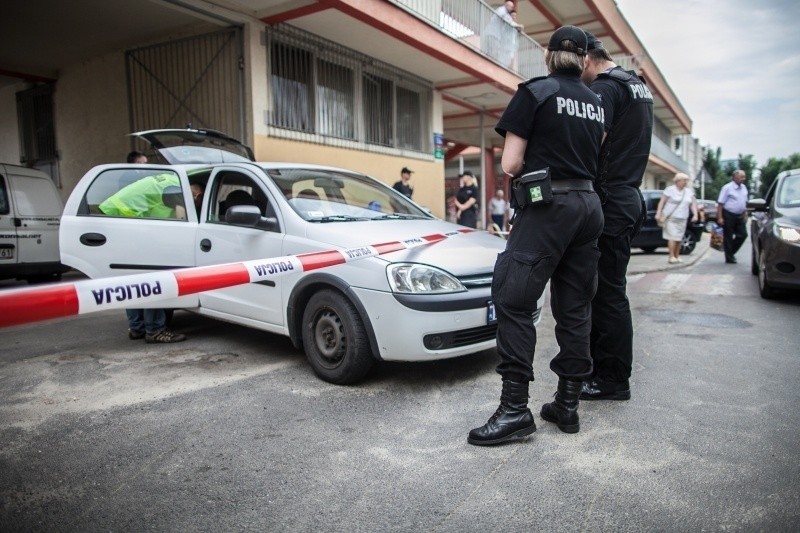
(628, 109)
(553, 128)
(403, 185)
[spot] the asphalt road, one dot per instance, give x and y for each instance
(231, 431)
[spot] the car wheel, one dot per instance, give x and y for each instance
(688, 243)
(767, 292)
(753, 261)
(648, 249)
(334, 339)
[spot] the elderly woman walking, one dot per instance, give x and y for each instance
(673, 211)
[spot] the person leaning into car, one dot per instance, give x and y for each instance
(158, 197)
(553, 127)
(732, 214)
(628, 107)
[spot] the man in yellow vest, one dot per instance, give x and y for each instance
(157, 196)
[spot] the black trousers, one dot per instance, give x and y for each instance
(734, 233)
(555, 242)
(612, 327)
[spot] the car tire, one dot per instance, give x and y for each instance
(764, 288)
(688, 243)
(648, 249)
(335, 340)
(753, 261)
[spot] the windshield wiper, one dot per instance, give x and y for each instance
(337, 218)
(398, 216)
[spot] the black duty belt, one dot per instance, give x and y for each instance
(564, 186)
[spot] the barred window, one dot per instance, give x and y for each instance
(292, 88)
(378, 110)
(330, 92)
(335, 94)
(409, 118)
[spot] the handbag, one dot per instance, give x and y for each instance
(662, 223)
(717, 237)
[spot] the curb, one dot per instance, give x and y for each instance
(643, 264)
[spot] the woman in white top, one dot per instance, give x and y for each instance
(673, 210)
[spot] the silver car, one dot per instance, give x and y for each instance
(419, 304)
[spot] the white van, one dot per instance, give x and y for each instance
(30, 215)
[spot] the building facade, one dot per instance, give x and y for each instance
(370, 85)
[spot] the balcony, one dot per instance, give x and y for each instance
(475, 24)
(661, 150)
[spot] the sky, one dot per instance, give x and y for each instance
(734, 66)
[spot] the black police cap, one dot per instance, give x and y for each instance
(568, 33)
(592, 42)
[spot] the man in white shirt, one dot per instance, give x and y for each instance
(732, 214)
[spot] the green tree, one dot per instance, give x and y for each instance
(774, 167)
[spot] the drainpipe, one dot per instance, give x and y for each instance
(482, 224)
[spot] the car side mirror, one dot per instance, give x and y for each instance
(757, 204)
(249, 216)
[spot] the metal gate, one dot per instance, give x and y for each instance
(197, 80)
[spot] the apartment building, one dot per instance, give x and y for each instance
(371, 85)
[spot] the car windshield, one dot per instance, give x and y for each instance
(333, 196)
(789, 193)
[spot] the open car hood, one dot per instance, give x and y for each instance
(187, 146)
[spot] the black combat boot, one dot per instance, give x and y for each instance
(564, 410)
(512, 420)
(600, 389)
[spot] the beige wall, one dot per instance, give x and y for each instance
(9, 134)
(428, 177)
(91, 116)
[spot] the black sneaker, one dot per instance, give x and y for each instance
(164, 337)
(135, 334)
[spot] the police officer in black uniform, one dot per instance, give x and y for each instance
(553, 128)
(628, 107)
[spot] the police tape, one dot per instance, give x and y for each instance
(22, 306)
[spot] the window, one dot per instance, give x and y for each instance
(409, 113)
(378, 110)
(292, 88)
(235, 189)
(335, 100)
(135, 193)
(36, 127)
(323, 89)
(5, 208)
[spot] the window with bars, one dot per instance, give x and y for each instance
(323, 89)
(36, 128)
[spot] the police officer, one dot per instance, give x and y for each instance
(628, 108)
(553, 128)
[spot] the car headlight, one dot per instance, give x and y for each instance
(787, 233)
(413, 278)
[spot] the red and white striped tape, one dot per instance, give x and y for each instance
(22, 306)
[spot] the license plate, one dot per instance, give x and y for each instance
(491, 316)
(6, 253)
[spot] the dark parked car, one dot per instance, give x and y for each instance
(708, 208)
(650, 237)
(775, 235)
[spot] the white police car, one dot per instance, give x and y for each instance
(419, 304)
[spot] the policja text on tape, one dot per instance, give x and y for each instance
(22, 306)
